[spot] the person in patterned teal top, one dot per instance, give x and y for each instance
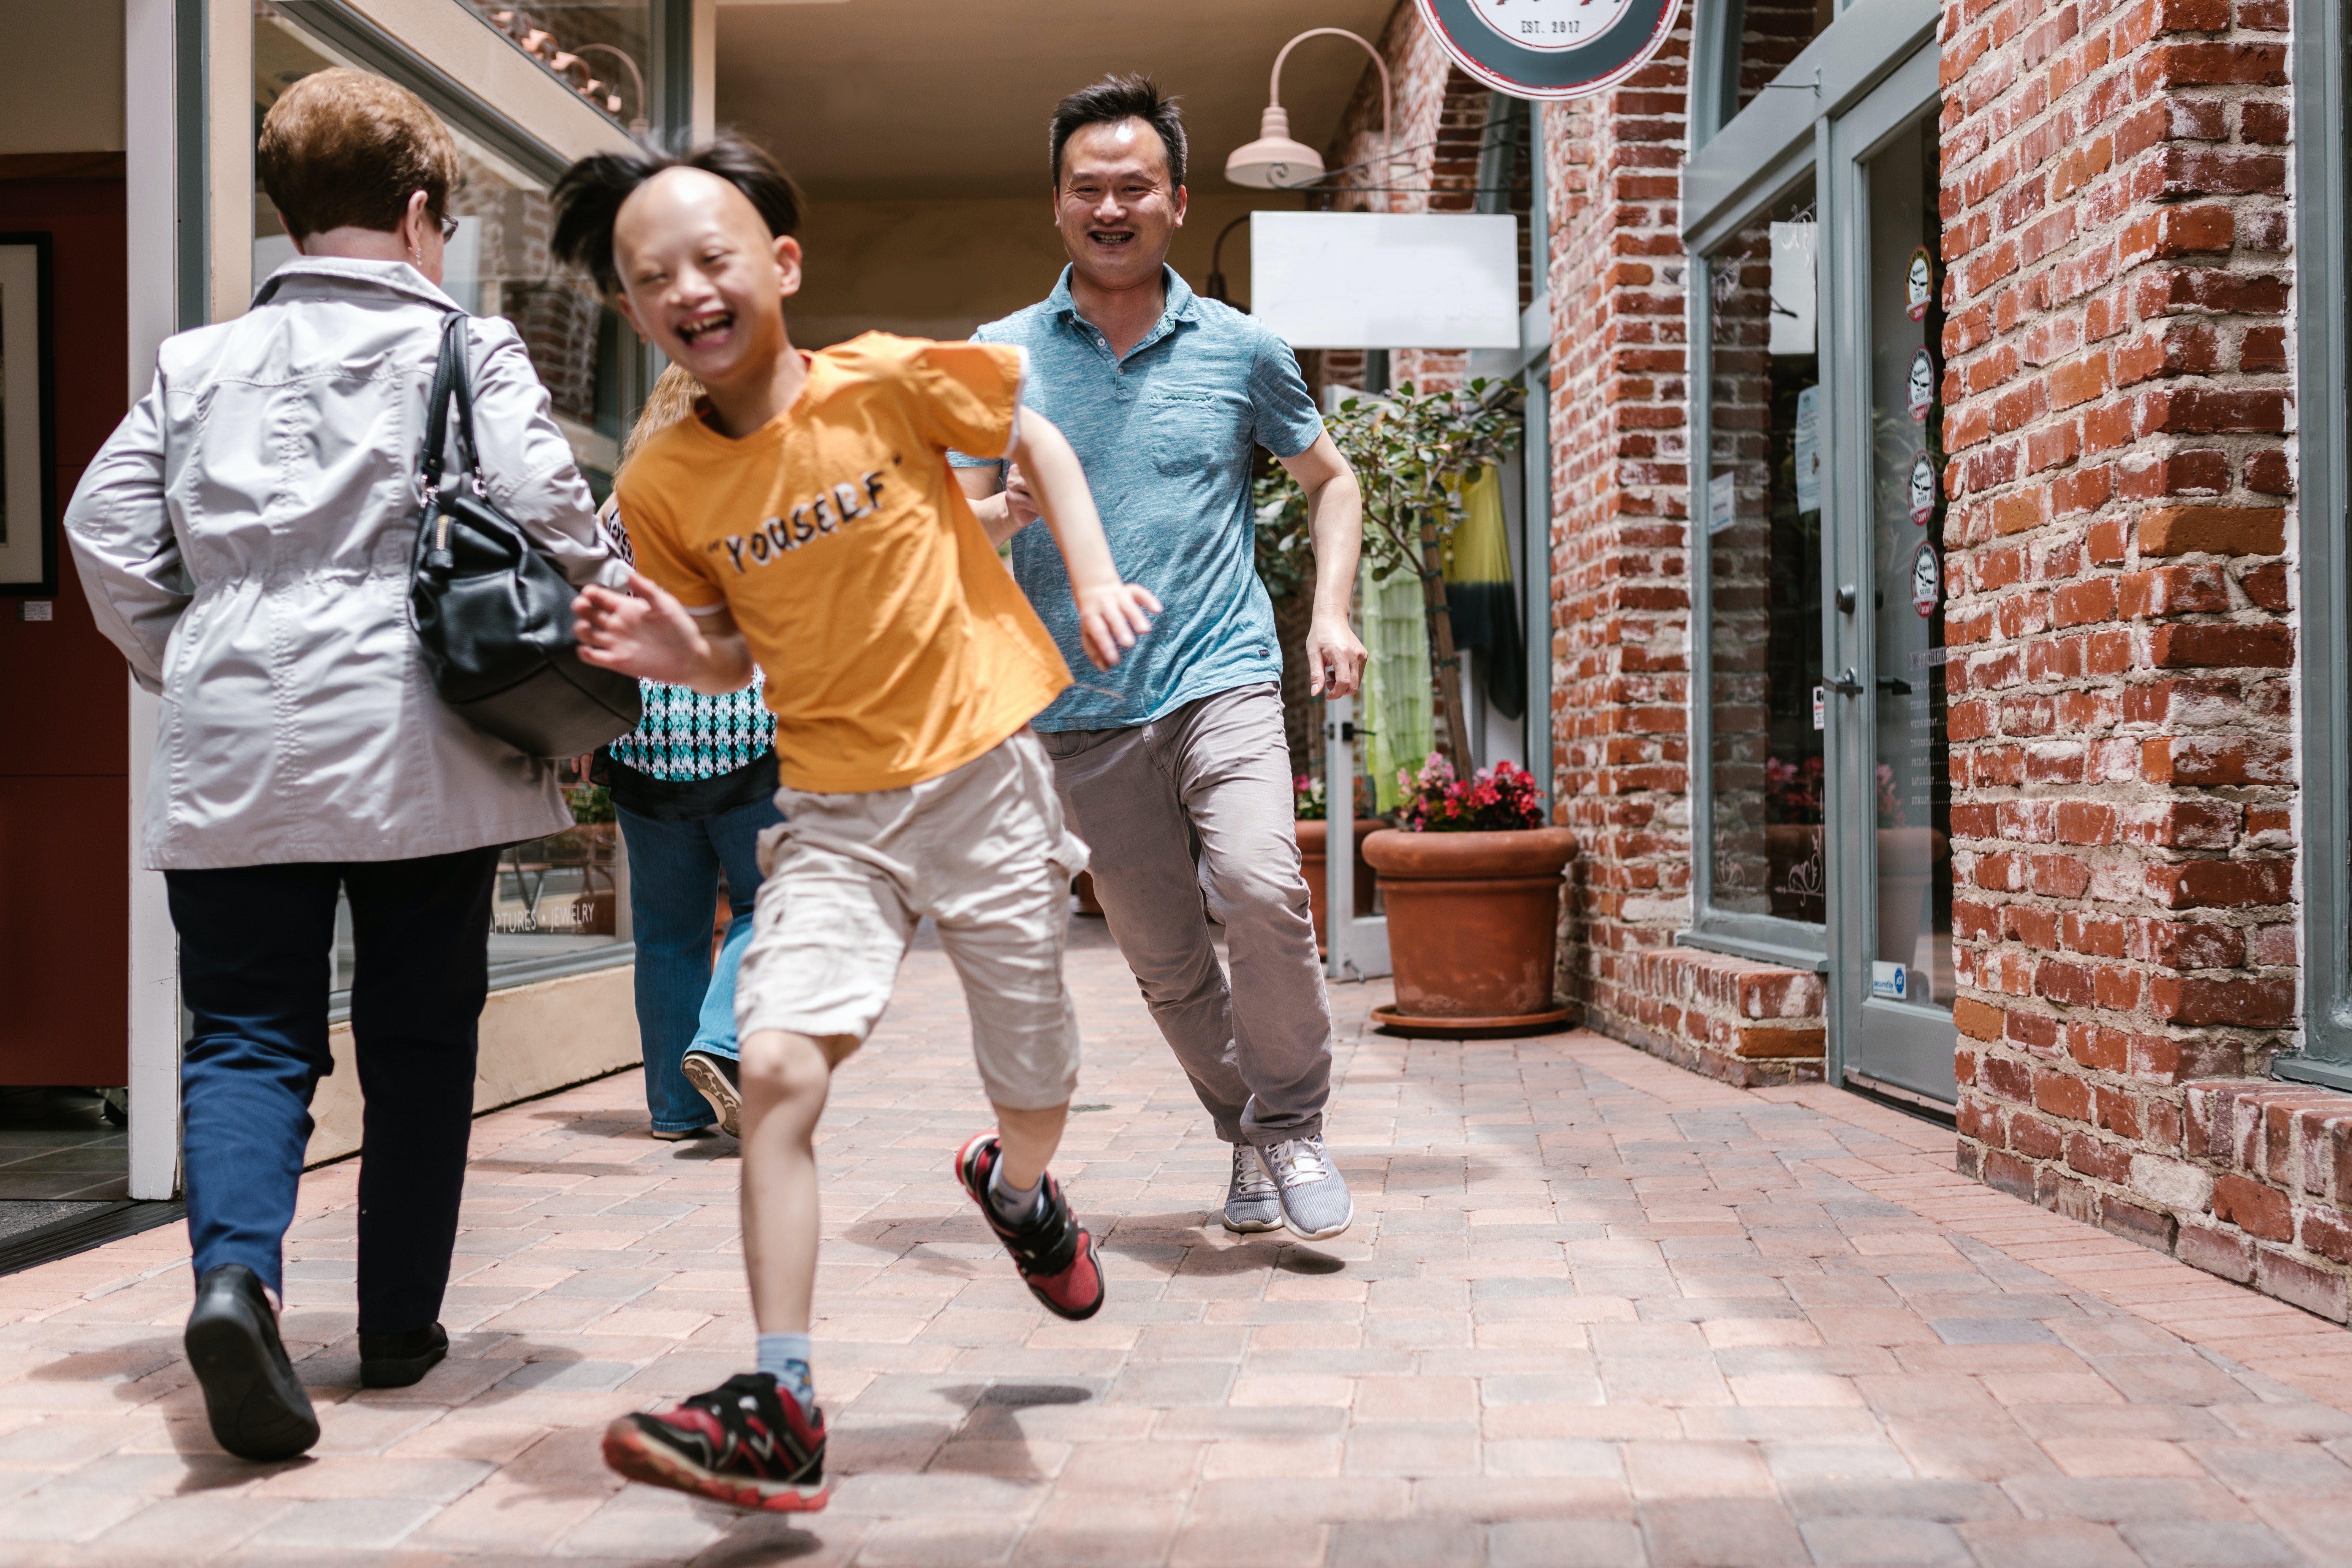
(694, 786)
(687, 735)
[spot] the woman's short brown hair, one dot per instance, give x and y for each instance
(671, 402)
(343, 149)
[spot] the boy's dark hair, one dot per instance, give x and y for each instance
(1112, 99)
(588, 197)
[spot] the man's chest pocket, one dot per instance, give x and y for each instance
(1204, 432)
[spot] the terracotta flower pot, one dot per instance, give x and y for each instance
(1313, 837)
(1473, 924)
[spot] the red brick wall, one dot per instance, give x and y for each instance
(2117, 230)
(1441, 115)
(1621, 601)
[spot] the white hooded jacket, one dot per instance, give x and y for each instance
(245, 537)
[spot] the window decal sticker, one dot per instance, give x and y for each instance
(1926, 487)
(1922, 385)
(1919, 283)
(1926, 579)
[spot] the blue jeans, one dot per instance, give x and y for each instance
(255, 946)
(684, 1002)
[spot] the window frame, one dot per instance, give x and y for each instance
(1739, 168)
(345, 29)
(1771, 938)
(1532, 358)
(351, 32)
(2324, 486)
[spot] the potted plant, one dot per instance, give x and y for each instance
(1472, 882)
(1411, 452)
(1310, 821)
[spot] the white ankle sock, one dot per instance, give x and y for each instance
(1013, 1205)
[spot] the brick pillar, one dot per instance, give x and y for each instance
(2123, 751)
(1621, 477)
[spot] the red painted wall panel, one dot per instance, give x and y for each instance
(64, 753)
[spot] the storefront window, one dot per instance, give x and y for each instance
(1762, 37)
(601, 50)
(560, 897)
(1912, 777)
(499, 264)
(1764, 554)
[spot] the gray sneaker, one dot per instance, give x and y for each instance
(1250, 1202)
(1315, 1201)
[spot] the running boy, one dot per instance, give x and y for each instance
(807, 520)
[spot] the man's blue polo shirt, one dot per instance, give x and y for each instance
(1166, 436)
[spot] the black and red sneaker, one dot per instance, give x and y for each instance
(745, 1442)
(1055, 1254)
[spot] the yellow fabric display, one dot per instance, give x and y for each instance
(1479, 595)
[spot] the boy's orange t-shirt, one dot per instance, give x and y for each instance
(896, 645)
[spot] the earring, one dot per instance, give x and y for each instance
(416, 256)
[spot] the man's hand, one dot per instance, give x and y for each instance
(1111, 616)
(1019, 504)
(1334, 659)
(650, 635)
(1334, 522)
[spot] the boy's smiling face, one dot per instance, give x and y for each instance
(703, 277)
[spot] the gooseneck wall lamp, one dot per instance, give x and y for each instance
(1275, 162)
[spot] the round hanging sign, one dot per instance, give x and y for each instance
(1924, 486)
(1927, 580)
(1920, 390)
(1550, 49)
(1919, 283)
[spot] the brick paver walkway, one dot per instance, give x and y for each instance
(1592, 1310)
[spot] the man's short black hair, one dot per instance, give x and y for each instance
(1112, 99)
(588, 197)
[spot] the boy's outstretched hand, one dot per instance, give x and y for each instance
(651, 636)
(1111, 617)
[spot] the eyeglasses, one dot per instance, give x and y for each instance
(448, 227)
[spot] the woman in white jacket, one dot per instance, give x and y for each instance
(244, 538)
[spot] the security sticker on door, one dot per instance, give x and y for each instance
(1926, 579)
(1920, 388)
(1891, 981)
(1919, 283)
(1808, 450)
(1924, 486)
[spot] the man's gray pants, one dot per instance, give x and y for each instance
(1198, 802)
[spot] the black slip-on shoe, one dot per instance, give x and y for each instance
(718, 1080)
(395, 1361)
(256, 1404)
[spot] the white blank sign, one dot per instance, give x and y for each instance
(1387, 281)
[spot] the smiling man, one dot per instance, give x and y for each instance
(1172, 766)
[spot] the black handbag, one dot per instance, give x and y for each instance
(493, 613)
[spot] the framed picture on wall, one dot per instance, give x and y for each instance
(28, 476)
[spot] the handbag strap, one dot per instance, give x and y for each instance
(450, 379)
(450, 368)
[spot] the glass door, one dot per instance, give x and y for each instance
(1892, 968)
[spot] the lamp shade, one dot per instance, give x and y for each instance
(1274, 162)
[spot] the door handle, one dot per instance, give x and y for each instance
(1847, 685)
(1899, 688)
